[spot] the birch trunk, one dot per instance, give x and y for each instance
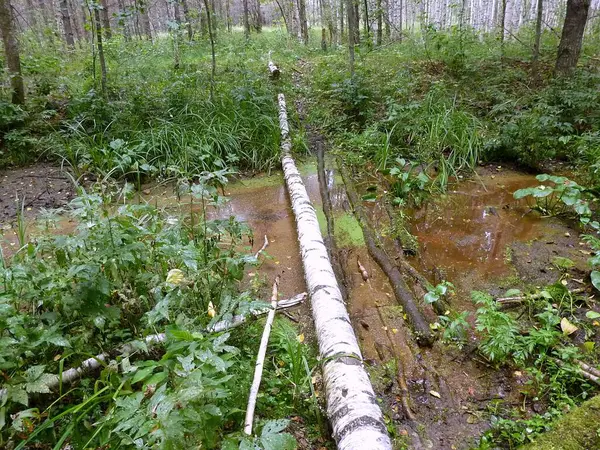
(352, 408)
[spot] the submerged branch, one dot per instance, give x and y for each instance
(420, 325)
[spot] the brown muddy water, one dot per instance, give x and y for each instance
(476, 236)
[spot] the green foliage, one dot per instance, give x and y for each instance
(441, 291)
(561, 197)
(407, 184)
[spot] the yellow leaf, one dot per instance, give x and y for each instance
(394, 330)
(175, 276)
(211, 309)
(435, 394)
(301, 338)
(567, 327)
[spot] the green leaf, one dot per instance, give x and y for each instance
(142, 374)
(592, 315)
(431, 297)
(595, 276)
(512, 293)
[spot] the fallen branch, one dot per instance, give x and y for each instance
(260, 361)
(352, 407)
(91, 364)
(262, 249)
(521, 298)
(420, 325)
(273, 69)
(583, 372)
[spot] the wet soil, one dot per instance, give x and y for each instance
(476, 236)
(38, 186)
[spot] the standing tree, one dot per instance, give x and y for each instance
(303, 22)
(66, 21)
(106, 19)
(98, 31)
(572, 36)
(352, 26)
(246, 19)
(538, 38)
(11, 52)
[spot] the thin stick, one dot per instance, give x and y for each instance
(262, 249)
(260, 361)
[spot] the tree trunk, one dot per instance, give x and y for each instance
(351, 36)
(303, 23)
(256, 16)
(228, 15)
(366, 25)
(538, 37)
(188, 19)
(66, 21)
(106, 19)
(352, 408)
(356, 17)
(246, 19)
(98, 26)
(502, 26)
(145, 16)
(572, 36)
(11, 52)
(379, 22)
(342, 20)
(212, 49)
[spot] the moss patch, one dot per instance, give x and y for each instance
(577, 430)
(347, 231)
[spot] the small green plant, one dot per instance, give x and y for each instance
(440, 292)
(409, 183)
(456, 327)
(561, 196)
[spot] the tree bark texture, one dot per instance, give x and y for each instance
(572, 36)
(352, 408)
(11, 52)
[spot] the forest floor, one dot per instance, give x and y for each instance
(470, 233)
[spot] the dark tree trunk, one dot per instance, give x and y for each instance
(538, 37)
(366, 21)
(106, 19)
(11, 52)
(145, 16)
(66, 21)
(572, 36)
(256, 16)
(303, 23)
(188, 19)
(502, 26)
(98, 26)
(342, 20)
(246, 19)
(78, 29)
(212, 49)
(379, 22)
(356, 17)
(351, 35)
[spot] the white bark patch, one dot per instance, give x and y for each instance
(355, 416)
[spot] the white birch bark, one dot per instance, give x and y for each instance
(260, 361)
(352, 408)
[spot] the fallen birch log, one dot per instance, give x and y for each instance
(352, 408)
(260, 361)
(273, 69)
(91, 364)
